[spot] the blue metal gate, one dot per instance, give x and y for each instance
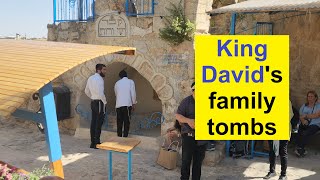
(73, 10)
(263, 28)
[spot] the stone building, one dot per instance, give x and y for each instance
(162, 72)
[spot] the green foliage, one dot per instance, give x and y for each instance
(178, 27)
(39, 173)
(10, 174)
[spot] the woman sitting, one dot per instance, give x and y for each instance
(309, 122)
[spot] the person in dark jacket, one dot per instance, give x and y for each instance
(192, 150)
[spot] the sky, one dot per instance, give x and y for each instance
(28, 17)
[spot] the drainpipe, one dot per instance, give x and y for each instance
(233, 24)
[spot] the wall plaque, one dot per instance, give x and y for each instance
(112, 25)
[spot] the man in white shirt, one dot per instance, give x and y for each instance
(95, 91)
(126, 99)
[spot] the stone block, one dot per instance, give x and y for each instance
(141, 46)
(75, 36)
(158, 81)
(63, 26)
(146, 70)
(136, 31)
(158, 23)
(165, 93)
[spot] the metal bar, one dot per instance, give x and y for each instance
(252, 148)
(94, 9)
(227, 148)
(255, 29)
(233, 24)
(232, 32)
(48, 109)
(129, 165)
(261, 154)
(127, 7)
(62, 6)
(87, 8)
(54, 11)
(110, 165)
(28, 115)
(142, 6)
(70, 21)
(253, 153)
(152, 7)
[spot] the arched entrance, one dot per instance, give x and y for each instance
(146, 119)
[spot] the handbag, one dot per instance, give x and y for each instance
(168, 156)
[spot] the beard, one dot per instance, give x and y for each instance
(102, 75)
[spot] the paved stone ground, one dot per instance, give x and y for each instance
(26, 148)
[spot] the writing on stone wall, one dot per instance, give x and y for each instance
(112, 25)
(175, 59)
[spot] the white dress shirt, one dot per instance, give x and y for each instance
(125, 92)
(95, 88)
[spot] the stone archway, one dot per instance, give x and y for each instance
(157, 80)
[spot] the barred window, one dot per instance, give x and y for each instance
(73, 10)
(140, 7)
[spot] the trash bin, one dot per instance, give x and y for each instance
(62, 99)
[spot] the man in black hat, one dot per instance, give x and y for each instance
(192, 150)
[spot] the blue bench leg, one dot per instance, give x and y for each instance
(110, 165)
(129, 165)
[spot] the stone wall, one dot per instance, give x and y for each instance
(303, 30)
(169, 69)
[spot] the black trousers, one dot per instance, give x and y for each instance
(283, 152)
(191, 152)
(304, 134)
(123, 120)
(98, 114)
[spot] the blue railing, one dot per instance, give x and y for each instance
(73, 10)
(140, 7)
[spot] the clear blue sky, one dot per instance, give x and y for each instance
(25, 17)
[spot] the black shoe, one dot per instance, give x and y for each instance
(283, 177)
(93, 146)
(270, 175)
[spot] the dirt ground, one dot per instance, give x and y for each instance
(26, 148)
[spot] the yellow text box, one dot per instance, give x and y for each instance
(242, 87)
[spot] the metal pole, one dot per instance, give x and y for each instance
(110, 165)
(48, 109)
(54, 11)
(233, 24)
(129, 165)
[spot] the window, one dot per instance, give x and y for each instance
(73, 10)
(140, 7)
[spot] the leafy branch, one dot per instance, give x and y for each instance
(178, 27)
